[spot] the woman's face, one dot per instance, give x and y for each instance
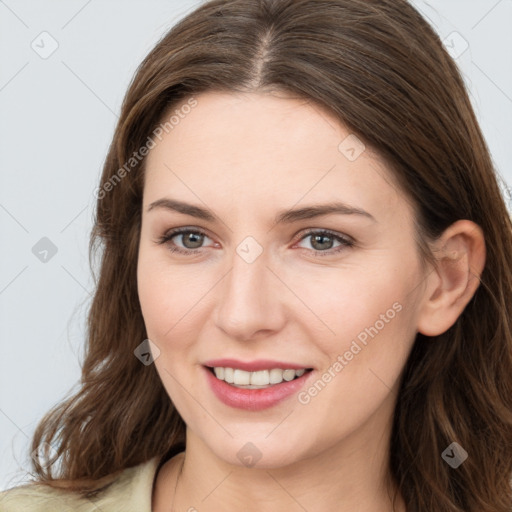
(269, 296)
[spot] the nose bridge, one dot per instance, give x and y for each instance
(247, 304)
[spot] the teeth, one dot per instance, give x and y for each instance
(289, 374)
(260, 378)
(241, 378)
(276, 376)
(228, 375)
(255, 380)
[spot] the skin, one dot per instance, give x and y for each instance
(245, 157)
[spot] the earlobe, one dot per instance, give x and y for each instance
(460, 260)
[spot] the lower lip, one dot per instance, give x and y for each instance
(254, 399)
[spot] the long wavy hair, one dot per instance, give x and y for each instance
(380, 68)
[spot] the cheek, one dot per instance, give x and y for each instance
(150, 290)
(170, 296)
(362, 370)
(166, 303)
(347, 301)
(157, 290)
(370, 316)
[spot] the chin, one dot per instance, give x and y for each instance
(259, 451)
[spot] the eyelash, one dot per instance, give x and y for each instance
(345, 242)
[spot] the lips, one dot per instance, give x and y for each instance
(254, 399)
(254, 366)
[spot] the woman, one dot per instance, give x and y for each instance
(305, 283)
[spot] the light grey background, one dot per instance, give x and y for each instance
(57, 116)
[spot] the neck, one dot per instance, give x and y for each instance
(350, 475)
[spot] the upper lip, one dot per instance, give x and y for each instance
(253, 366)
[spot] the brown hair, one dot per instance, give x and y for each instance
(382, 70)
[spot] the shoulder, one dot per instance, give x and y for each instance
(35, 498)
(131, 491)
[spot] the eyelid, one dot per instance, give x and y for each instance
(171, 233)
(335, 234)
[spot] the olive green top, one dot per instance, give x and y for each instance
(130, 492)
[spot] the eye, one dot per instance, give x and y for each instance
(322, 242)
(192, 240)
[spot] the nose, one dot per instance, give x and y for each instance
(250, 300)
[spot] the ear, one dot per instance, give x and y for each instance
(460, 260)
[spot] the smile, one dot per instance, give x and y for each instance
(256, 380)
(255, 390)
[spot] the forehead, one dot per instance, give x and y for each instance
(255, 148)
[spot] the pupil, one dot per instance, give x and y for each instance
(321, 237)
(197, 242)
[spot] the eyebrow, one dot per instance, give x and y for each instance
(282, 217)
